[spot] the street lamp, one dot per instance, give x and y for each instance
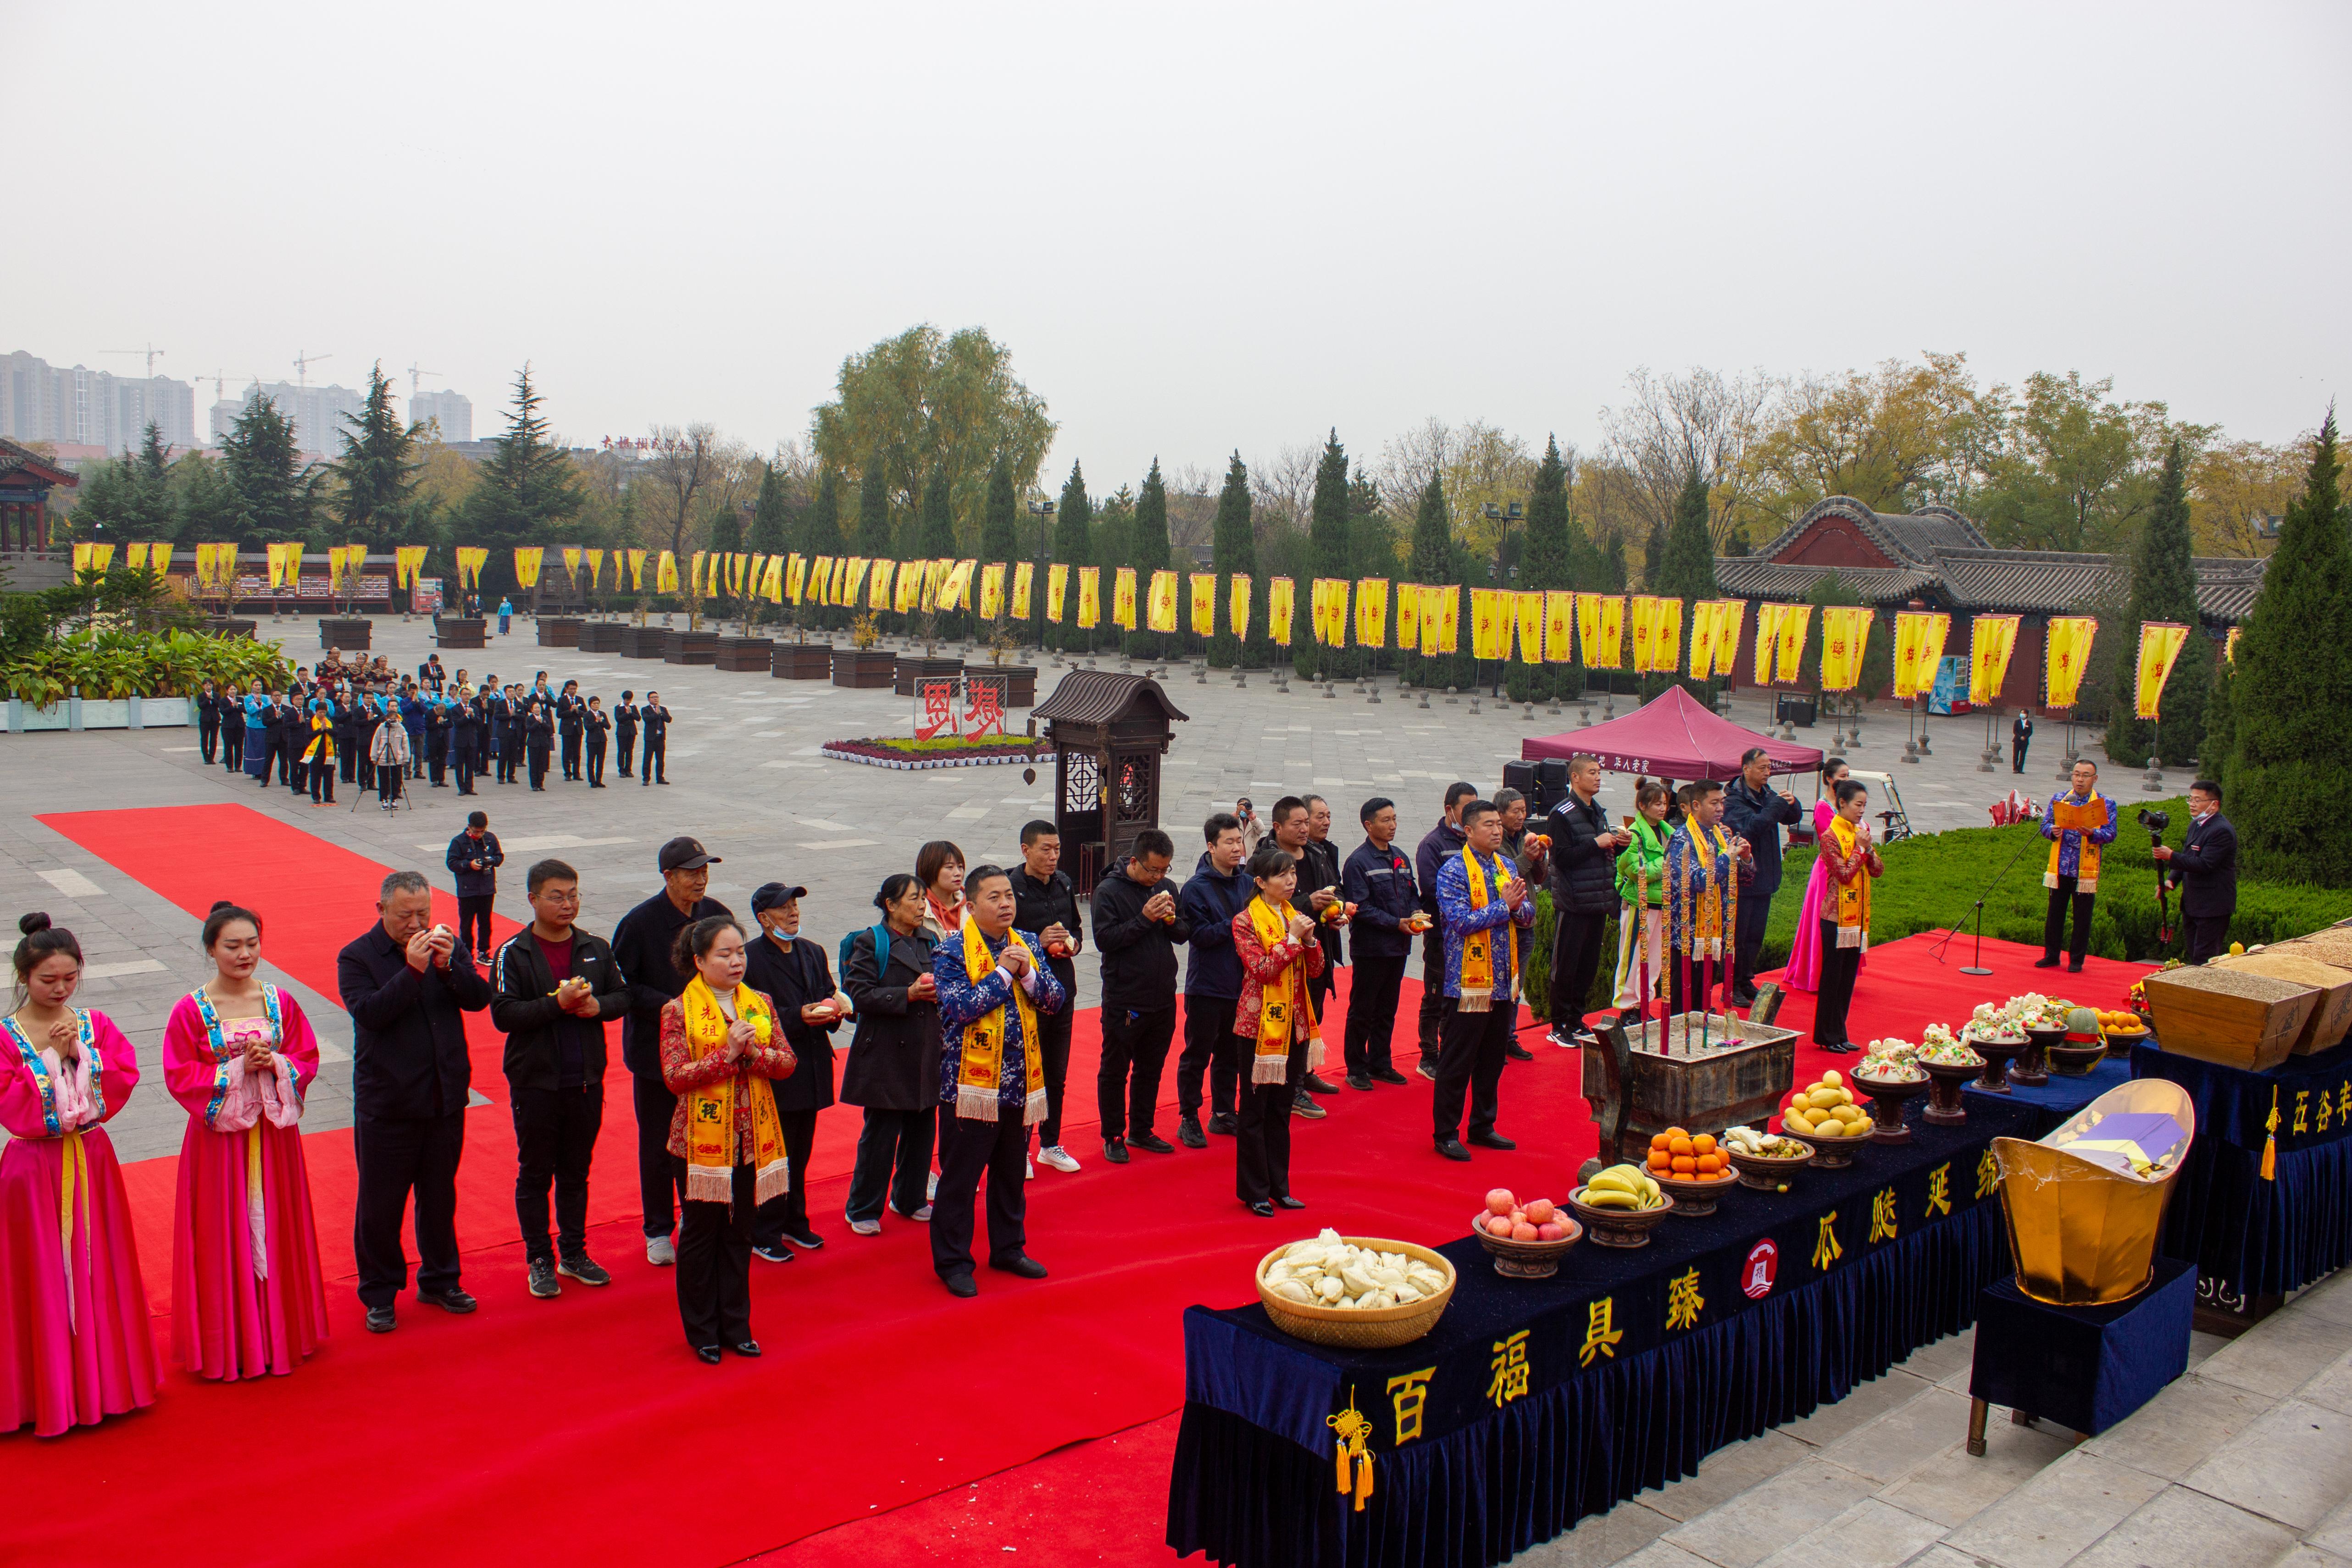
(1044, 512)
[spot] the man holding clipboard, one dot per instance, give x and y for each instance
(2077, 823)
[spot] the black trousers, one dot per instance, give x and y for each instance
(1575, 960)
(595, 762)
(504, 759)
(1210, 1047)
(1755, 914)
(714, 1262)
(232, 747)
(555, 1137)
(481, 748)
(387, 783)
(397, 1157)
(1372, 1012)
(419, 750)
(1433, 991)
(322, 781)
(284, 751)
(2016, 755)
(968, 1150)
(1127, 1084)
(2208, 936)
(474, 922)
(1839, 968)
(539, 767)
(894, 1162)
(628, 740)
(788, 1211)
(208, 734)
(1262, 1152)
(461, 758)
(571, 756)
(349, 752)
(2053, 924)
(660, 1181)
(652, 766)
(1054, 1033)
(1472, 1057)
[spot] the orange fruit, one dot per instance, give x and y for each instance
(1708, 1165)
(1660, 1161)
(1682, 1146)
(1662, 1141)
(1703, 1144)
(1685, 1165)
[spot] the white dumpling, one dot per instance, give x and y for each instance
(1330, 1289)
(1292, 1290)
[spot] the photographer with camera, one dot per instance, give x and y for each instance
(2204, 870)
(2077, 823)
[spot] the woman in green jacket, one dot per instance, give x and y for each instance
(1645, 857)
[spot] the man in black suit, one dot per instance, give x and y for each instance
(2020, 736)
(208, 721)
(2205, 871)
(655, 719)
(408, 986)
(1583, 893)
(625, 728)
(569, 710)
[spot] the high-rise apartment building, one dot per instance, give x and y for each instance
(93, 409)
(317, 414)
(454, 411)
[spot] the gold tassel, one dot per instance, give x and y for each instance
(1340, 1453)
(2269, 1144)
(1363, 1480)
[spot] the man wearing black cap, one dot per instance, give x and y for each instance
(641, 947)
(790, 970)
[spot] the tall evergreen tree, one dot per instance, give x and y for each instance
(726, 533)
(1688, 570)
(527, 486)
(1327, 532)
(1612, 576)
(999, 532)
(1114, 543)
(1235, 549)
(2290, 690)
(1148, 550)
(819, 534)
(937, 540)
(874, 509)
(1547, 561)
(771, 517)
(1436, 561)
(1653, 559)
(1073, 548)
(377, 469)
(265, 468)
(2221, 726)
(2164, 587)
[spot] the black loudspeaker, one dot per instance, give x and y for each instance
(1551, 782)
(1521, 776)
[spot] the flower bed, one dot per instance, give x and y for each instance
(947, 752)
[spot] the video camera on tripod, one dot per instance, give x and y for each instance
(2156, 822)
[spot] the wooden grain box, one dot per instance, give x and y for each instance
(2228, 1015)
(2331, 1017)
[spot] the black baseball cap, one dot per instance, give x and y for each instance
(773, 893)
(686, 854)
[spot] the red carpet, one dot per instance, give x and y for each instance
(513, 1429)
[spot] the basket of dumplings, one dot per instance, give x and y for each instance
(1359, 1292)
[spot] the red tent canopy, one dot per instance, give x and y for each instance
(1672, 737)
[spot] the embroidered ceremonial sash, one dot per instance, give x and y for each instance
(980, 1073)
(711, 1155)
(1477, 984)
(2083, 817)
(73, 1164)
(1853, 898)
(1281, 1003)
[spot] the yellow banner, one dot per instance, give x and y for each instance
(906, 592)
(665, 573)
(1910, 648)
(527, 563)
(771, 581)
(1991, 639)
(965, 570)
(1372, 613)
(2160, 646)
(159, 558)
(991, 590)
(2230, 644)
(1025, 588)
(96, 557)
(1333, 592)
(1768, 620)
(1162, 610)
(1237, 604)
(742, 572)
(135, 557)
(1643, 620)
(1527, 606)
(1731, 615)
(1279, 594)
(572, 561)
(1447, 604)
(1490, 624)
(274, 554)
(1845, 635)
(694, 572)
(853, 586)
(1057, 591)
(1560, 627)
(1702, 639)
(1795, 626)
(1669, 646)
(878, 580)
(1090, 597)
(1408, 616)
(2066, 653)
(1122, 598)
(1931, 652)
(795, 576)
(595, 559)
(820, 580)
(637, 558)
(1203, 588)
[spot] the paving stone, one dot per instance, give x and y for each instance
(2182, 1526)
(2296, 1345)
(1662, 1554)
(2330, 1298)
(1954, 1488)
(2309, 1556)
(2333, 1533)
(1749, 1528)
(1938, 1360)
(1870, 1534)
(1890, 1448)
(1604, 1539)
(2056, 1514)
(1864, 1403)
(2172, 1433)
(2294, 1464)
(1726, 1473)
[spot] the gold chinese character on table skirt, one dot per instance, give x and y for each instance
(1882, 1216)
(1510, 1369)
(1988, 1174)
(1826, 1249)
(1355, 1432)
(1601, 1335)
(2324, 1106)
(2302, 1106)
(1408, 1394)
(1940, 1189)
(1684, 1303)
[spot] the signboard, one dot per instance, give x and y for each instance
(1951, 680)
(424, 596)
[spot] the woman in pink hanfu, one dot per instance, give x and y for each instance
(246, 1297)
(1804, 971)
(74, 1344)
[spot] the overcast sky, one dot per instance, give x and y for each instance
(1197, 227)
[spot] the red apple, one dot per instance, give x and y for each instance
(1539, 1211)
(1551, 1230)
(1523, 1231)
(1499, 1225)
(1500, 1201)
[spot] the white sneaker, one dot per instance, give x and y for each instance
(1059, 1158)
(920, 1215)
(1028, 1168)
(660, 1251)
(866, 1227)
(931, 1188)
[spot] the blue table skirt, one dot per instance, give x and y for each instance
(2083, 1367)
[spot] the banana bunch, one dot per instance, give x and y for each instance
(1621, 1186)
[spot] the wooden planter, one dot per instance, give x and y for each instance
(745, 653)
(453, 634)
(1020, 682)
(599, 636)
(911, 667)
(230, 626)
(642, 641)
(560, 630)
(344, 634)
(801, 661)
(690, 648)
(865, 670)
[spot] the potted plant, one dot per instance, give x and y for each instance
(862, 666)
(1020, 680)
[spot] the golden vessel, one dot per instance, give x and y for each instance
(2084, 1203)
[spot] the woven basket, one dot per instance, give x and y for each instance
(1377, 1329)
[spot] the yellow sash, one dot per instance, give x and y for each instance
(711, 1155)
(1281, 1003)
(322, 739)
(980, 1074)
(2083, 817)
(1853, 898)
(1477, 985)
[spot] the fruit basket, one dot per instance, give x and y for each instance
(1619, 1226)
(1696, 1197)
(1835, 1152)
(1526, 1259)
(1768, 1172)
(1360, 1328)
(1824, 1115)
(1888, 1098)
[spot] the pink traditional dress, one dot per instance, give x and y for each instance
(75, 1341)
(1804, 973)
(247, 1296)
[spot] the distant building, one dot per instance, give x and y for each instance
(454, 411)
(317, 414)
(96, 409)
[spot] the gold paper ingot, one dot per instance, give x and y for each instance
(2084, 1235)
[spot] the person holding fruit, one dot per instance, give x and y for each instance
(1293, 834)
(893, 1070)
(1138, 924)
(1642, 886)
(1046, 902)
(792, 971)
(1485, 910)
(1274, 1026)
(1378, 879)
(1853, 861)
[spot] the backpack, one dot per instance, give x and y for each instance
(880, 932)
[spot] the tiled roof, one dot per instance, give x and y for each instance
(16, 457)
(1753, 576)
(1905, 536)
(1100, 697)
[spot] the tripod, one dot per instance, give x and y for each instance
(1979, 967)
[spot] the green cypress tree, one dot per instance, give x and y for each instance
(2164, 587)
(527, 486)
(1435, 561)
(1548, 560)
(1611, 577)
(1113, 544)
(937, 541)
(1073, 548)
(1150, 551)
(377, 469)
(1653, 559)
(771, 518)
(1235, 549)
(819, 530)
(873, 511)
(726, 533)
(265, 468)
(2221, 726)
(1686, 572)
(1327, 532)
(2290, 690)
(999, 532)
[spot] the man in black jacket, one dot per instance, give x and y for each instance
(640, 945)
(474, 860)
(568, 711)
(1378, 879)
(465, 737)
(1583, 894)
(652, 766)
(347, 733)
(1757, 812)
(1138, 923)
(1436, 846)
(1290, 816)
(408, 986)
(538, 739)
(1044, 902)
(209, 708)
(625, 728)
(2205, 872)
(1319, 870)
(2020, 736)
(553, 986)
(1215, 892)
(791, 971)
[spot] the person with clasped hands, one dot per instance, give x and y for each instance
(1583, 893)
(2205, 872)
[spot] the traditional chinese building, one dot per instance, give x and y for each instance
(25, 479)
(1936, 558)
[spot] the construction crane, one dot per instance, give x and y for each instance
(151, 351)
(414, 376)
(302, 363)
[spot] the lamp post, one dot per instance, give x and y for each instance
(1044, 512)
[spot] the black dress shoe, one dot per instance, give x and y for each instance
(1518, 1052)
(706, 1353)
(1316, 1083)
(1386, 1075)
(1024, 1267)
(960, 1285)
(380, 1320)
(1843, 1048)
(1361, 1081)
(1286, 1201)
(745, 1347)
(804, 1238)
(1491, 1141)
(1226, 1124)
(2045, 963)
(452, 1300)
(1115, 1150)
(1263, 1208)
(2075, 967)
(1151, 1144)
(1452, 1149)
(1188, 1133)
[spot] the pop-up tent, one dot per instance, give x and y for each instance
(1673, 737)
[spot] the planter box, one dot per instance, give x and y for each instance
(642, 641)
(599, 636)
(690, 648)
(910, 668)
(862, 670)
(801, 661)
(452, 633)
(746, 653)
(230, 626)
(345, 633)
(158, 713)
(559, 631)
(1020, 682)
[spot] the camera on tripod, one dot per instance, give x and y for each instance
(2155, 821)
